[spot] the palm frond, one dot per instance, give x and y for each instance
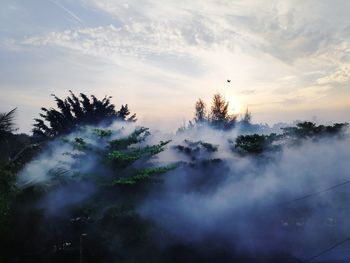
(7, 123)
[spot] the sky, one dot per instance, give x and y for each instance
(287, 60)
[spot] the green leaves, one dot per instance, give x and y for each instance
(259, 143)
(120, 159)
(144, 174)
(256, 144)
(102, 133)
(125, 158)
(116, 157)
(80, 144)
(137, 136)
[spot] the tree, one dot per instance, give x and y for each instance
(73, 112)
(121, 170)
(7, 123)
(201, 112)
(257, 143)
(304, 130)
(6, 175)
(247, 117)
(245, 124)
(219, 116)
(291, 136)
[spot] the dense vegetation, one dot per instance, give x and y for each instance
(84, 206)
(259, 143)
(72, 112)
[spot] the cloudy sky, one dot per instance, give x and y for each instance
(287, 59)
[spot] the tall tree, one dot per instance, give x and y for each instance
(75, 111)
(200, 112)
(247, 117)
(219, 115)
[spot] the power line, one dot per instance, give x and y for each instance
(311, 259)
(327, 250)
(317, 192)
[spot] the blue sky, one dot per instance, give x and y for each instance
(286, 59)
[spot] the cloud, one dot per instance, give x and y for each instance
(287, 29)
(281, 50)
(340, 76)
(247, 92)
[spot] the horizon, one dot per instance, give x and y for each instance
(285, 60)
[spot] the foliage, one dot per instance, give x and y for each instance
(192, 148)
(7, 123)
(80, 144)
(259, 143)
(15, 151)
(123, 159)
(218, 117)
(118, 183)
(144, 174)
(247, 118)
(74, 112)
(103, 132)
(137, 136)
(199, 152)
(7, 178)
(306, 129)
(246, 126)
(195, 145)
(200, 112)
(256, 144)
(121, 170)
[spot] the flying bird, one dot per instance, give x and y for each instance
(228, 80)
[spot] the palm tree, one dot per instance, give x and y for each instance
(75, 111)
(7, 123)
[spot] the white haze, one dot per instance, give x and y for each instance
(251, 204)
(245, 203)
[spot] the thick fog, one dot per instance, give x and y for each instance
(288, 201)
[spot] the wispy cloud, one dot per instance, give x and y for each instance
(289, 51)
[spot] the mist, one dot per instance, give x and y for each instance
(281, 202)
(253, 205)
(174, 131)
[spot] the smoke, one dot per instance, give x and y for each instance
(59, 155)
(258, 205)
(280, 202)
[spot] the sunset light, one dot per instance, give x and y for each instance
(174, 131)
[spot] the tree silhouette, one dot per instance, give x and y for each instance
(247, 117)
(7, 123)
(245, 124)
(308, 129)
(219, 116)
(200, 112)
(75, 111)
